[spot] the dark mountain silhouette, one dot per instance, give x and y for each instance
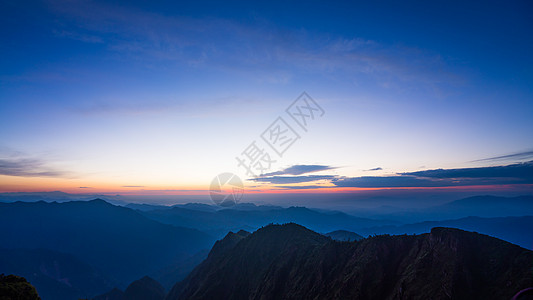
(175, 272)
(145, 207)
(251, 206)
(15, 287)
(488, 206)
(477, 206)
(145, 288)
(118, 241)
(344, 235)
(197, 206)
(219, 222)
(512, 229)
(482, 206)
(291, 262)
(56, 196)
(40, 196)
(224, 252)
(227, 243)
(114, 294)
(54, 274)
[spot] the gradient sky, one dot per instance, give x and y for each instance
(135, 97)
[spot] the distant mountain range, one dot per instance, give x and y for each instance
(219, 222)
(292, 262)
(56, 196)
(484, 206)
(145, 288)
(117, 241)
(79, 249)
(478, 206)
(516, 230)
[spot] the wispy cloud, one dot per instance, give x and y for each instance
(374, 169)
(386, 182)
(133, 186)
(78, 36)
(291, 179)
(519, 171)
(302, 187)
(511, 174)
(148, 106)
(270, 53)
(526, 155)
(300, 169)
(28, 167)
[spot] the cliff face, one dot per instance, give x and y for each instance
(144, 289)
(292, 262)
(16, 287)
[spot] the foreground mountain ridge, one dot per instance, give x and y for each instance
(291, 262)
(53, 244)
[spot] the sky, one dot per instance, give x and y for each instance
(159, 97)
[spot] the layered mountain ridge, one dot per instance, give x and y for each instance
(291, 262)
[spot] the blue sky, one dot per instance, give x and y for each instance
(164, 95)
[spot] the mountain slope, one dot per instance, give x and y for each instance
(117, 241)
(114, 294)
(344, 236)
(515, 230)
(483, 206)
(292, 262)
(221, 221)
(55, 275)
(173, 273)
(144, 289)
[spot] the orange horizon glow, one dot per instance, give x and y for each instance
(11, 184)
